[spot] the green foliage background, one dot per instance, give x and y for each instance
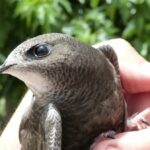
(90, 21)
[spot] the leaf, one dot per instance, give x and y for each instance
(2, 107)
(82, 1)
(94, 3)
(40, 14)
(66, 5)
(130, 30)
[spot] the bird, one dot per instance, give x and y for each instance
(77, 92)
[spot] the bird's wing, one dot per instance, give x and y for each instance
(53, 128)
(109, 52)
(111, 55)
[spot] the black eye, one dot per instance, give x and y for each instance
(42, 50)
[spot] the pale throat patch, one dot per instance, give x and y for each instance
(34, 81)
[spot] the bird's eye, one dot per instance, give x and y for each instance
(39, 51)
(42, 50)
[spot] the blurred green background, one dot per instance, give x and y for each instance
(90, 21)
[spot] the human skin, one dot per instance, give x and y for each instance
(9, 139)
(135, 77)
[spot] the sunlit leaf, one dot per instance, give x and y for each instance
(82, 1)
(94, 3)
(129, 30)
(2, 106)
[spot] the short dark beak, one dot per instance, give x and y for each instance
(4, 67)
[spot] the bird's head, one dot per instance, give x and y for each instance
(45, 59)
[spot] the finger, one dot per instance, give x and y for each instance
(137, 102)
(135, 79)
(138, 140)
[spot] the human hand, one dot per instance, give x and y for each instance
(135, 78)
(9, 139)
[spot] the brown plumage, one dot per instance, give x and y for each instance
(77, 92)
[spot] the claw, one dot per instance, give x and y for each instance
(109, 134)
(144, 121)
(103, 136)
(139, 121)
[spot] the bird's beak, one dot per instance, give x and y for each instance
(5, 66)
